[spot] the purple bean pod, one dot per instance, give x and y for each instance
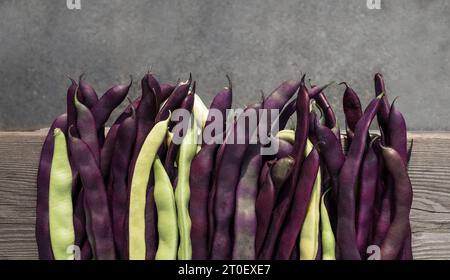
(346, 231)
(43, 184)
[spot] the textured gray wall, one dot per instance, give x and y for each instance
(260, 43)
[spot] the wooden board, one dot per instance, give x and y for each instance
(429, 171)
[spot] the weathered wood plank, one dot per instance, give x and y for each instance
(429, 171)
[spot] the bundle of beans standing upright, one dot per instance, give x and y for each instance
(172, 179)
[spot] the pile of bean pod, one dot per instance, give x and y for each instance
(131, 192)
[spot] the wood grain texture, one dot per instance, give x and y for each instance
(429, 171)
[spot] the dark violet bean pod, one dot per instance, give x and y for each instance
(279, 174)
(174, 101)
(367, 188)
(228, 171)
(296, 214)
(108, 102)
(281, 95)
(71, 111)
(107, 150)
(166, 91)
(398, 231)
(172, 151)
(265, 202)
(397, 132)
(315, 90)
(331, 152)
(287, 193)
(145, 115)
(128, 110)
(384, 215)
(287, 112)
(200, 180)
(346, 231)
(87, 130)
(383, 112)
(245, 219)
(123, 149)
(88, 96)
(285, 148)
(98, 219)
(43, 184)
(154, 85)
(352, 110)
(324, 104)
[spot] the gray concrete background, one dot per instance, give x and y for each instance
(260, 43)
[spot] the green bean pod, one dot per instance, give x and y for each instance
(328, 240)
(62, 233)
(139, 183)
(188, 149)
(167, 214)
(309, 235)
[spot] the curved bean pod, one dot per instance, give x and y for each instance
(166, 91)
(297, 214)
(98, 219)
(346, 231)
(121, 157)
(88, 95)
(174, 100)
(383, 113)
(245, 216)
(265, 202)
(200, 179)
(188, 149)
(172, 151)
(62, 234)
(138, 190)
(108, 102)
(368, 185)
(352, 111)
(167, 214)
(43, 184)
(398, 231)
(86, 128)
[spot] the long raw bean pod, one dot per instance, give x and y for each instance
(106, 152)
(180, 128)
(264, 204)
(88, 95)
(309, 235)
(138, 190)
(200, 111)
(287, 193)
(398, 141)
(398, 231)
(167, 214)
(297, 213)
(108, 102)
(70, 99)
(352, 111)
(328, 240)
(346, 231)
(383, 112)
(87, 130)
(62, 234)
(367, 188)
(188, 150)
(227, 174)
(174, 100)
(145, 114)
(245, 216)
(200, 179)
(166, 91)
(331, 152)
(121, 157)
(43, 184)
(98, 219)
